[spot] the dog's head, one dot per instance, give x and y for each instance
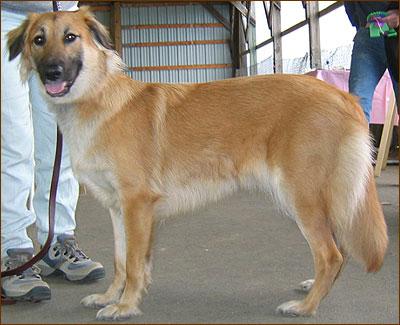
(70, 51)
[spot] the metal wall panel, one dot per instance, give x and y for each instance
(175, 55)
(182, 76)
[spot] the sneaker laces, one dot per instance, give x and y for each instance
(14, 262)
(70, 250)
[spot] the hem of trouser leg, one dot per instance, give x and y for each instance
(5, 249)
(42, 236)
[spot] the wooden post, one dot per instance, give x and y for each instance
(251, 39)
(238, 41)
(235, 47)
(116, 26)
(386, 138)
(242, 44)
(314, 34)
(275, 12)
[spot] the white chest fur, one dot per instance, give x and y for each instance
(89, 166)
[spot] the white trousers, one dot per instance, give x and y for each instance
(28, 141)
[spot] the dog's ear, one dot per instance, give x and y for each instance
(99, 32)
(16, 37)
(16, 40)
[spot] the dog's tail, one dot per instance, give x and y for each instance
(355, 212)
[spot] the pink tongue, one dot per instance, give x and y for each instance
(55, 88)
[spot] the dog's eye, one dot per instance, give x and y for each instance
(39, 40)
(69, 38)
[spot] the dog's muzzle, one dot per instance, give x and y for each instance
(58, 78)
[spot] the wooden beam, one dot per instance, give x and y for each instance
(181, 67)
(330, 8)
(217, 15)
(314, 34)
(100, 8)
(244, 11)
(285, 32)
(300, 24)
(267, 14)
(97, 5)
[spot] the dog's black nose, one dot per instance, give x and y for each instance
(54, 72)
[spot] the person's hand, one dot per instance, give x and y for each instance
(392, 19)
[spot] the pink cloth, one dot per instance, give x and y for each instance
(380, 101)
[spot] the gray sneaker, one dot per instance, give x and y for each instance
(65, 257)
(26, 286)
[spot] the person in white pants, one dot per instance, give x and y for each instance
(28, 142)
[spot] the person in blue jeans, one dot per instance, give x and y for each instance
(369, 58)
(28, 141)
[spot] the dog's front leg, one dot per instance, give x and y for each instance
(138, 220)
(114, 291)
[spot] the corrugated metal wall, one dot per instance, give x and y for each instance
(159, 41)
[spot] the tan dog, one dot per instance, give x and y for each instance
(148, 149)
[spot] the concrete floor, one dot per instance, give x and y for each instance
(232, 262)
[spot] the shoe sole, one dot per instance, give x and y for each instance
(94, 275)
(35, 295)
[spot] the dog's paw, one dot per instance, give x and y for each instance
(293, 308)
(305, 286)
(117, 312)
(97, 301)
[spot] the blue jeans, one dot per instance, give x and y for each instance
(368, 64)
(28, 134)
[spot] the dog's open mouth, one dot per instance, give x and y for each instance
(59, 77)
(58, 88)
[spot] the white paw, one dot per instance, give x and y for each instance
(97, 301)
(306, 285)
(293, 308)
(117, 312)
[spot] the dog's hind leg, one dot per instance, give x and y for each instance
(114, 291)
(327, 261)
(138, 220)
(306, 286)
